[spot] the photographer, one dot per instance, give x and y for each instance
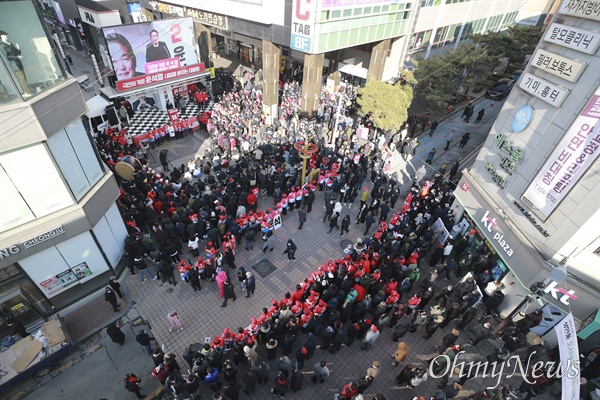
(163, 159)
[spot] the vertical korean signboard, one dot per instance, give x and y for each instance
(303, 23)
(569, 161)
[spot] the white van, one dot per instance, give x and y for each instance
(101, 114)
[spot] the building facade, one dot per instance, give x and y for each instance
(533, 193)
(61, 234)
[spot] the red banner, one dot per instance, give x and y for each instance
(173, 115)
(134, 83)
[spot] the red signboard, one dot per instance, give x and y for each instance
(174, 115)
(159, 77)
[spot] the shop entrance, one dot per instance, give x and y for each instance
(16, 305)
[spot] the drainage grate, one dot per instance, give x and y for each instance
(169, 290)
(345, 243)
(264, 267)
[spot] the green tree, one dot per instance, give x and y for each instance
(387, 103)
(527, 37)
(499, 45)
(442, 75)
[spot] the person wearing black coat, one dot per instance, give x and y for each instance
(401, 329)
(157, 356)
(115, 285)
(111, 297)
(345, 224)
(113, 330)
(291, 249)
(333, 222)
(229, 292)
(297, 379)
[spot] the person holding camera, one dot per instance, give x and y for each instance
(164, 160)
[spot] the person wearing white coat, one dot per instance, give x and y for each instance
(370, 338)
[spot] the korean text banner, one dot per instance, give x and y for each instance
(150, 48)
(569, 161)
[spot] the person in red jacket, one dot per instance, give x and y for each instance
(348, 391)
(251, 200)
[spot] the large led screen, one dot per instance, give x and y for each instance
(151, 52)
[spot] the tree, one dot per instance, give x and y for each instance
(499, 45)
(442, 75)
(527, 37)
(387, 103)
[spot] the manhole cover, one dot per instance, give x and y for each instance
(169, 290)
(264, 267)
(196, 347)
(345, 243)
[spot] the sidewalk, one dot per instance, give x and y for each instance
(104, 363)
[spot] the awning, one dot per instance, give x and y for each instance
(96, 106)
(355, 70)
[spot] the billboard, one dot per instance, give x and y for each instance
(151, 52)
(570, 160)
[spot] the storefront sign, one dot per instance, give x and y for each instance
(170, 9)
(522, 119)
(134, 83)
(575, 153)
(9, 251)
(560, 294)
(43, 237)
(568, 349)
(489, 223)
(543, 90)
(573, 38)
(581, 8)
(514, 153)
(221, 32)
(303, 22)
(207, 18)
(99, 19)
(497, 178)
(531, 219)
(560, 66)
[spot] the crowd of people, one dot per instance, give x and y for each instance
(399, 276)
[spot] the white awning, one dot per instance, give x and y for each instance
(96, 106)
(355, 70)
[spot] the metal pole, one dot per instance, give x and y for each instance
(514, 312)
(97, 71)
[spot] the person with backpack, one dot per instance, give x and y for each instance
(291, 249)
(132, 384)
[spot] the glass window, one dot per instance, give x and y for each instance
(336, 14)
(15, 210)
(347, 12)
(84, 151)
(8, 91)
(324, 15)
(354, 36)
(25, 49)
(362, 36)
(367, 11)
(65, 157)
(358, 11)
(332, 41)
(376, 9)
(36, 177)
(344, 38)
(385, 9)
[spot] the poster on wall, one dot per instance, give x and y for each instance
(151, 52)
(82, 271)
(51, 286)
(570, 160)
(60, 282)
(67, 278)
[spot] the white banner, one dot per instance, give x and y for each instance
(303, 23)
(569, 357)
(575, 153)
